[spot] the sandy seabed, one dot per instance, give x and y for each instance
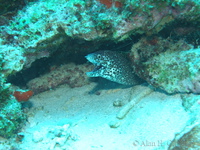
(72, 119)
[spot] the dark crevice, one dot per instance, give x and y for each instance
(182, 29)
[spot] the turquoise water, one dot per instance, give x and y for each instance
(99, 74)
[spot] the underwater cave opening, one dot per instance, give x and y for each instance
(41, 67)
(60, 57)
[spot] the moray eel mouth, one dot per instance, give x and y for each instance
(94, 72)
(97, 66)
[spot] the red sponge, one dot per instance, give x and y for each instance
(23, 96)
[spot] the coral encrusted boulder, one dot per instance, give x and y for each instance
(173, 71)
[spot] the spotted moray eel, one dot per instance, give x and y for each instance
(113, 66)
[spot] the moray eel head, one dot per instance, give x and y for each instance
(98, 59)
(112, 66)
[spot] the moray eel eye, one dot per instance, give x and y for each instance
(98, 56)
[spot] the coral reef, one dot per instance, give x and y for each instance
(4, 90)
(71, 74)
(31, 34)
(31, 31)
(150, 46)
(166, 64)
(173, 71)
(4, 87)
(11, 115)
(13, 59)
(11, 118)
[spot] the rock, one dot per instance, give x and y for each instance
(190, 140)
(71, 74)
(173, 71)
(37, 137)
(148, 47)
